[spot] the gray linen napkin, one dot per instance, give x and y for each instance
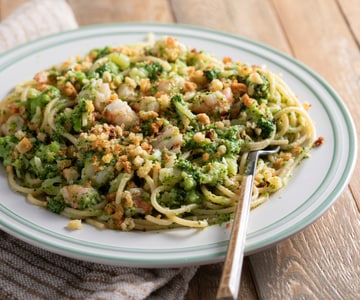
(34, 19)
(28, 272)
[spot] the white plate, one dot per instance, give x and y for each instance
(316, 185)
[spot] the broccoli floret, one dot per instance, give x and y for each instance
(263, 120)
(213, 174)
(231, 132)
(173, 198)
(21, 166)
(170, 176)
(7, 146)
(206, 145)
(183, 110)
(73, 119)
(228, 136)
(232, 164)
(189, 173)
(89, 199)
(260, 117)
(189, 181)
(177, 196)
(224, 218)
(101, 52)
(186, 166)
(110, 67)
(48, 153)
(193, 196)
(76, 78)
(267, 127)
(258, 89)
(233, 147)
(43, 163)
(39, 100)
(154, 70)
(212, 74)
(56, 204)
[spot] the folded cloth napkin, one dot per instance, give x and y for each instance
(28, 272)
(34, 19)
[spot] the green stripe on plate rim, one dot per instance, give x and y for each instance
(284, 233)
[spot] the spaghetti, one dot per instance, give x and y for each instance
(150, 136)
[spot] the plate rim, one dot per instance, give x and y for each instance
(340, 186)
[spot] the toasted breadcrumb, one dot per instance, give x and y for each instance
(74, 225)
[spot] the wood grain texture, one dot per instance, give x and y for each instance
(316, 263)
(207, 13)
(246, 18)
(205, 283)
(326, 44)
(109, 11)
(351, 12)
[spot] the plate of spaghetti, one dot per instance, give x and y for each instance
(126, 143)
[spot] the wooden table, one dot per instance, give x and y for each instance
(322, 261)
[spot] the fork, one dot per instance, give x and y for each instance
(230, 278)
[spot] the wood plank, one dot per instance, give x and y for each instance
(207, 13)
(326, 44)
(316, 263)
(351, 12)
(109, 11)
(246, 18)
(205, 283)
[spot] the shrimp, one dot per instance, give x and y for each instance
(166, 85)
(42, 77)
(126, 91)
(102, 94)
(170, 138)
(78, 196)
(119, 112)
(138, 201)
(218, 100)
(98, 91)
(172, 85)
(149, 104)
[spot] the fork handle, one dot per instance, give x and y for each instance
(230, 279)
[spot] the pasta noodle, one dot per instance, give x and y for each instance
(150, 136)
